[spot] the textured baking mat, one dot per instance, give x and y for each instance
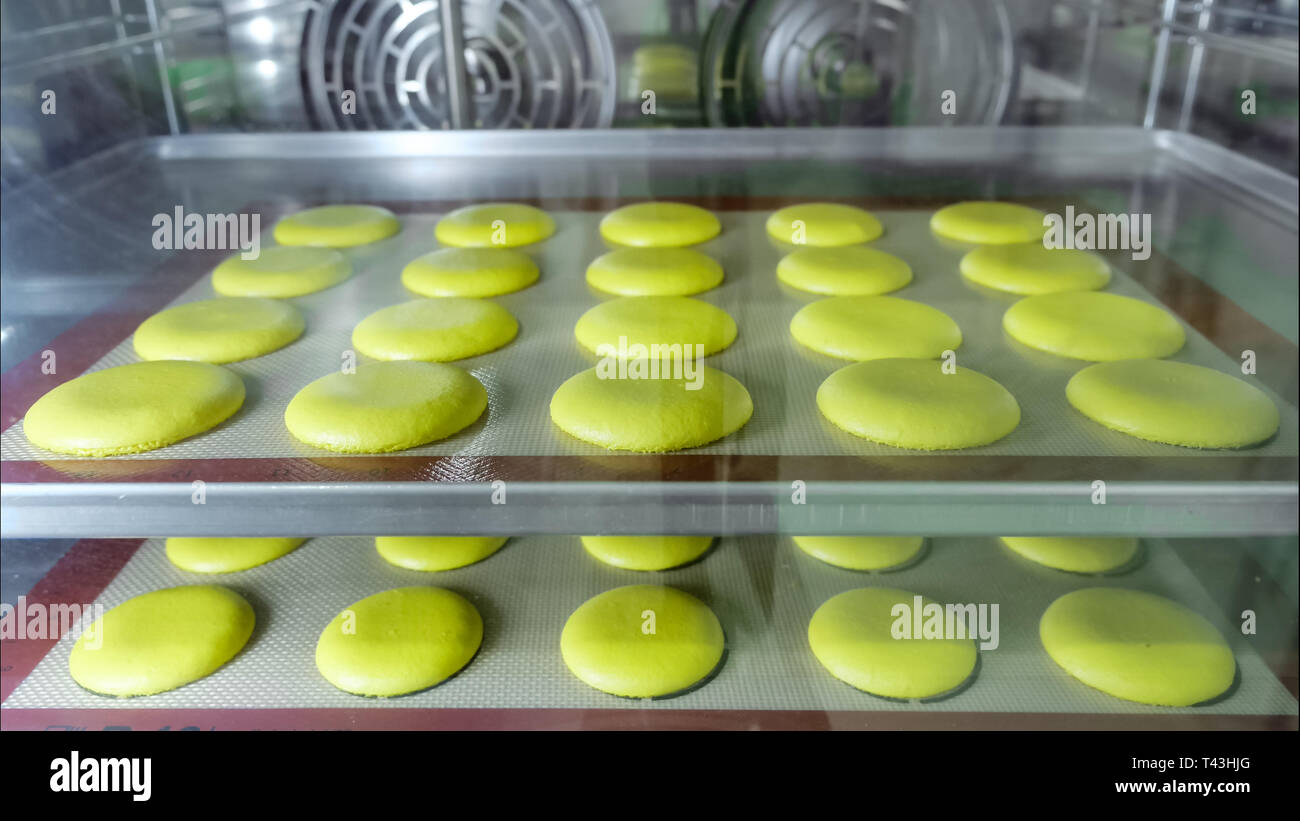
(763, 589)
(781, 375)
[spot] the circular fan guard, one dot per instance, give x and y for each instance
(527, 64)
(856, 62)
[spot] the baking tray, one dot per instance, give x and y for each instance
(518, 443)
(1038, 480)
(763, 589)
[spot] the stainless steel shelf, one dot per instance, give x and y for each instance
(118, 510)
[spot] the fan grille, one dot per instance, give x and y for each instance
(527, 64)
(856, 62)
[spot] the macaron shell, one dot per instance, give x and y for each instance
(161, 640)
(225, 554)
(1030, 269)
(1074, 554)
(1173, 403)
(399, 641)
(646, 552)
(437, 553)
(1137, 646)
(654, 272)
(847, 270)
(989, 223)
(852, 636)
(823, 224)
(385, 406)
(875, 327)
(650, 415)
(1094, 326)
(281, 271)
(914, 404)
(494, 225)
(659, 225)
(229, 329)
(435, 330)
(469, 272)
(133, 408)
(642, 641)
(864, 553)
(337, 226)
(695, 327)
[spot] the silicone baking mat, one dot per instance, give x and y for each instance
(763, 590)
(781, 375)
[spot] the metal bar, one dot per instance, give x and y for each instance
(205, 21)
(102, 20)
(1048, 151)
(453, 49)
(160, 56)
(1033, 149)
(1247, 46)
(407, 508)
(1009, 67)
(1245, 14)
(128, 62)
(1158, 64)
(86, 53)
(1138, 10)
(1194, 64)
(1089, 50)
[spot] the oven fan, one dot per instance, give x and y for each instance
(857, 62)
(527, 64)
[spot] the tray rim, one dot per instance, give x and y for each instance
(955, 145)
